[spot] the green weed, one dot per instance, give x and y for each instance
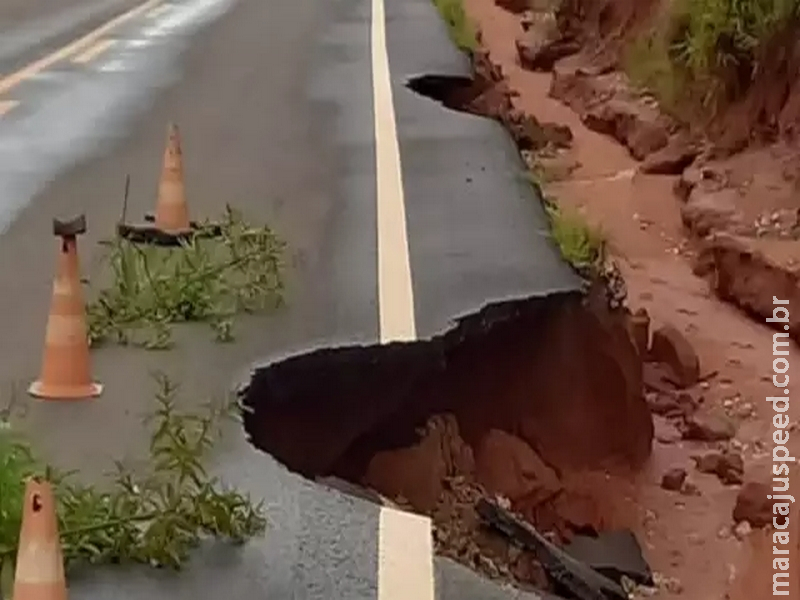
(462, 31)
(707, 52)
(205, 279)
(580, 244)
(154, 518)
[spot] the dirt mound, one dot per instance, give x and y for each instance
(769, 104)
(514, 399)
(749, 273)
(603, 26)
(761, 102)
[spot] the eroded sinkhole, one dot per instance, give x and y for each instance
(510, 401)
(453, 91)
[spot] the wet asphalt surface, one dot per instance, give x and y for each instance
(274, 101)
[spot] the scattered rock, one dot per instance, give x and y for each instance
(539, 51)
(748, 273)
(690, 489)
(708, 427)
(753, 506)
(673, 479)
(709, 212)
(672, 159)
(507, 465)
(673, 585)
(529, 133)
(707, 179)
(553, 168)
(670, 347)
(557, 135)
(640, 331)
(657, 378)
(742, 530)
(637, 127)
(670, 585)
(728, 466)
(666, 432)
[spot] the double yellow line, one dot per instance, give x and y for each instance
(86, 48)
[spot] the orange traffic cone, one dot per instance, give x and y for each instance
(65, 370)
(40, 564)
(172, 212)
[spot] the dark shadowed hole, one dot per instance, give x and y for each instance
(36, 503)
(453, 91)
(561, 378)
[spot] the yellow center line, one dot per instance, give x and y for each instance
(7, 105)
(93, 51)
(10, 81)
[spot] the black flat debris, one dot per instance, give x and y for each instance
(614, 554)
(149, 234)
(571, 577)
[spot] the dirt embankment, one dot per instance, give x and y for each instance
(679, 194)
(739, 164)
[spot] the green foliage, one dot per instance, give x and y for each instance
(155, 517)
(462, 31)
(205, 279)
(580, 244)
(708, 50)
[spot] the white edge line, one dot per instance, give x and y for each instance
(405, 556)
(395, 292)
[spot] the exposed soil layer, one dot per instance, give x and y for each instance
(763, 100)
(674, 203)
(515, 400)
(750, 195)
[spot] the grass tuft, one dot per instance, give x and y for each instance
(581, 245)
(462, 30)
(705, 54)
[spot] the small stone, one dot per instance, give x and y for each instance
(742, 530)
(670, 347)
(710, 427)
(673, 585)
(670, 160)
(673, 479)
(666, 432)
(727, 466)
(488, 566)
(690, 489)
(752, 505)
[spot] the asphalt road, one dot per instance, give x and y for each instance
(400, 216)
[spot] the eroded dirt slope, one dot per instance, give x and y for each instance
(690, 223)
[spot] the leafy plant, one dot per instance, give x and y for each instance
(155, 517)
(580, 244)
(708, 51)
(462, 31)
(205, 279)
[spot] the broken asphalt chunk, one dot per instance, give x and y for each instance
(614, 554)
(576, 578)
